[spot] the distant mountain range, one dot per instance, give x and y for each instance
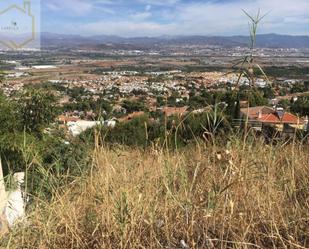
(263, 41)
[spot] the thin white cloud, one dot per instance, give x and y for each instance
(159, 2)
(140, 16)
(175, 17)
(148, 7)
(127, 28)
(74, 7)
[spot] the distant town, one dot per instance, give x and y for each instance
(147, 124)
(167, 78)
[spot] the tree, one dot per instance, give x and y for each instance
(301, 106)
(306, 84)
(298, 88)
(37, 110)
(269, 92)
(8, 119)
(160, 101)
(133, 106)
(12, 137)
(131, 133)
(196, 102)
(284, 103)
(102, 106)
(254, 97)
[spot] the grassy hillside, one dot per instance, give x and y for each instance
(242, 195)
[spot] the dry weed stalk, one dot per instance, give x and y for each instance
(238, 196)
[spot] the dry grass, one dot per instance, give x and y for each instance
(241, 196)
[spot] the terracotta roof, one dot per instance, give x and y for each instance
(169, 111)
(266, 114)
(287, 118)
(65, 119)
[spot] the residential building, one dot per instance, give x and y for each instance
(264, 116)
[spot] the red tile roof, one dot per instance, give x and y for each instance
(287, 118)
(65, 119)
(169, 111)
(266, 114)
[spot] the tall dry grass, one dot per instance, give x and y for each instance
(243, 195)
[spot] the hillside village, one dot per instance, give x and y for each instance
(147, 124)
(175, 92)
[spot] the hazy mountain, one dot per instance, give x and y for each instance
(276, 41)
(265, 40)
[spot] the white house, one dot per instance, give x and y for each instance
(78, 127)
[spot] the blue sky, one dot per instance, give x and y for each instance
(172, 17)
